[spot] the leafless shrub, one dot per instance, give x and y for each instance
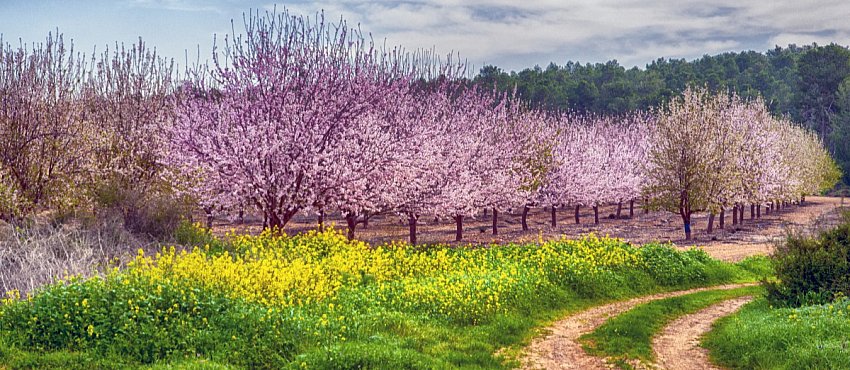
(39, 254)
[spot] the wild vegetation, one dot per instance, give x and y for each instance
(802, 321)
(320, 300)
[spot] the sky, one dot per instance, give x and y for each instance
(513, 35)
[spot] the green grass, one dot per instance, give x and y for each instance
(629, 335)
(174, 323)
(762, 337)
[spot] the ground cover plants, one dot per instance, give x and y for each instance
(320, 300)
(802, 321)
(761, 336)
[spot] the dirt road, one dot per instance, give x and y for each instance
(560, 349)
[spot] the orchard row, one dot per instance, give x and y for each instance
(299, 115)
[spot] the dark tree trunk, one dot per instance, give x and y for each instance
(411, 223)
(596, 215)
(619, 209)
(631, 208)
(722, 218)
(495, 221)
(554, 217)
(351, 220)
(741, 214)
(525, 218)
(241, 216)
(458, 228)
(752, 211)
(686, 220)
(365, 221)
(758, 211)
(321, 219)
(734, 214)
(710, 223)
(767, 209)
(209, 220)
(646, 206)
(578, 221)
(275, 223)
(485, 212)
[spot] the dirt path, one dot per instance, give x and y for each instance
(560, 348)
(677, 347)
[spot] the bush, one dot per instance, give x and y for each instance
(152, 212)
(37, 253)
(812, 270)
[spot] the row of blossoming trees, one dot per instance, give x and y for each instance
(299, 115)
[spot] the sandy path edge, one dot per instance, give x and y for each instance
(677, 346)
(560, 349)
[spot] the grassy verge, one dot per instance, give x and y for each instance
(321, 301)
(629, 335)
(762, 337)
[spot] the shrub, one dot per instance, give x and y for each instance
(154, 212)
(812, 269)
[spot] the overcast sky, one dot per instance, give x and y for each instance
(510, 34)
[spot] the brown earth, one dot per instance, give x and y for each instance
(733, 243)
(677, 346)
(560, 349)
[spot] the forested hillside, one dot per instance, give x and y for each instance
(809, 84)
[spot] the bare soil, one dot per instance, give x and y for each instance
(732, 243)
(560, 349)
(677, 347)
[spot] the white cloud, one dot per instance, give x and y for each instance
(634, 32)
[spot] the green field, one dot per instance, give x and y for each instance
(320, 301)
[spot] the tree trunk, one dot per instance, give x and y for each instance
(710, 223)
(485, 212)
(554, 217)
(646, 206)
(411, 223)
(458, 228)
(525, 218)
(209, 220)
(321, 219)
(241, 220)
(351, 220)
(767, 209)
(275, 222)
(619, 209)
(758, 211)
(576, 215)
(741, 214)
(365, 222)
(686, 220)
(495, 221)
(722, 218)
(596, 215)
(752, 211)
(734, 214)
(631, 208)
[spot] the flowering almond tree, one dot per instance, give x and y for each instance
(290, 91)
(683, 155)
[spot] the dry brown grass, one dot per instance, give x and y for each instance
(40, 253)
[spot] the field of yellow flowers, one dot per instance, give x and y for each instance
(318, 300)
